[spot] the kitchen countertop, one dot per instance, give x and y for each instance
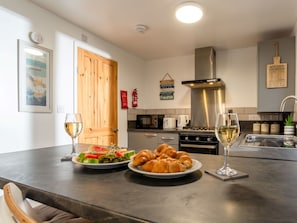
(267, 195)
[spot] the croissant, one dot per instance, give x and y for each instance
(165, 149)
(142, 157)
(165, 159)
(168, 165)
(180, 153)
(159, 149)
(186, 160)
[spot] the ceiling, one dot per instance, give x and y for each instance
(227, 24)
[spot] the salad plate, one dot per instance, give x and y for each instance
(101, 166)
(196, 165)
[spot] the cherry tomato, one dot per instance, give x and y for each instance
(93, 156)
(96, 148)
(117, 153)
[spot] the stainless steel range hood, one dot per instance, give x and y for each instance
(207, 91)
(205, 70)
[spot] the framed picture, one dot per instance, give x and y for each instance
(34, 78)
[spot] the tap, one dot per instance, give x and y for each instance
(284, 101)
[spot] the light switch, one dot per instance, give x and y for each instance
(60, 108)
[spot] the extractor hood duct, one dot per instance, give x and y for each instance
(205, 70)
(207, 91)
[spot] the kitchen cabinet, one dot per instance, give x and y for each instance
(150, 140)
(169, 138)
(269, 99)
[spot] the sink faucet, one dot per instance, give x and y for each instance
(284, 101)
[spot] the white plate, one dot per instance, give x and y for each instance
(101, 166)
(196, 165)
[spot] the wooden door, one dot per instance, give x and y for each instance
(97, 98)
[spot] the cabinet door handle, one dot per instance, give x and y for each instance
(167, 138)
(150, 134)
(198, 146)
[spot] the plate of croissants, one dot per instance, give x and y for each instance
(165, 162)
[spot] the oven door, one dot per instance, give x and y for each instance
(199, 144)
(199, 148)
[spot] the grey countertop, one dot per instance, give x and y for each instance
(120, 195)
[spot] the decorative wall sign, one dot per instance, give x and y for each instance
(167, 88)
(34, 76)
(276, 73)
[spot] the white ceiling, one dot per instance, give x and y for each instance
(226, 24)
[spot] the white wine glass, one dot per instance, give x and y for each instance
(73, 126)
(227, 131)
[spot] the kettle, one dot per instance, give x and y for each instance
(182, 121)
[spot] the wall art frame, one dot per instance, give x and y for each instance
(167, 87)
(34, 77)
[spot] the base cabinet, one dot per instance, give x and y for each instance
(150, 140)
(169, 138)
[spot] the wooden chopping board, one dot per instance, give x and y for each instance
(276, 73)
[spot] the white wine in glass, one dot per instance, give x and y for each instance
(73, 126)
(227, 131)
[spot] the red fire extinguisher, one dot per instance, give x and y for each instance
(134, 98)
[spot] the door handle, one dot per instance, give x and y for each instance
(115, 130)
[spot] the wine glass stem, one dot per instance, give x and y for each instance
(73, 145)
(226, 151)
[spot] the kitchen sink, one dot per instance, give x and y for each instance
(269, 141)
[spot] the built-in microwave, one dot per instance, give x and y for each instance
(149, 121)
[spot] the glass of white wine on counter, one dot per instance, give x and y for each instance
(227, 131)
(73, 126)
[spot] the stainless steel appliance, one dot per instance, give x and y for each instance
(199, 142)
(207, 91)
(205, 70)
(207, 99)
(149, 121)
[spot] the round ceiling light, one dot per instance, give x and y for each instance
(188, 12)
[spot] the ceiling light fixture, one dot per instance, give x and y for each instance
(188, 12)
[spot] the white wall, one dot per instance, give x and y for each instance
(21, 130)
(180, 69)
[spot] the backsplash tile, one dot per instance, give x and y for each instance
(169, 113)
(244, 113)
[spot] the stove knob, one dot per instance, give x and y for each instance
(197, 138)
(209, 139)
(186, 137)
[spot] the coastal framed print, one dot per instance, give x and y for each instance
(34, 77)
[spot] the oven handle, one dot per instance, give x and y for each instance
(198, 146)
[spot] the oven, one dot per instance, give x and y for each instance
(199, 142)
